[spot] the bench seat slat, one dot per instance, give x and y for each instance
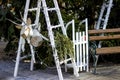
(103, 31)
(108, 50)
(94, 38)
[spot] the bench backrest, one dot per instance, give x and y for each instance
(95, 34)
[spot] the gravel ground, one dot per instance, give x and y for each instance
(7, 68)
(109, 72)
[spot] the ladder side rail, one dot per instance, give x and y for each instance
(38, 14)
(26, 12)
(32, 57)
(52, 40)
(108, 6)
(20, 41)
(18, 57)
(60, 17)
(100, 17)
(50, 33)
(108, 13)
(106, 19)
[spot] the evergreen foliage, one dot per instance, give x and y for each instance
(64, 46)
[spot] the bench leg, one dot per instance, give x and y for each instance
(94, 55)
(95, 63)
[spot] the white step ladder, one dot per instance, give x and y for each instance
(102, 21)
(104, 14)
(50, 34)
(25, 26)
(103, 18)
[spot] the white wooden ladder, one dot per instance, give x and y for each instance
(104, 14)
(51, 35)
(50, 27)
(25, 26)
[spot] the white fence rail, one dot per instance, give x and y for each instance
(80, 41)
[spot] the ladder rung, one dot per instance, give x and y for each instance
(56, 26)
(32, 24)
(51, 9)
(102, 19)
(32, 9)
(61, 62)
(70, 65)
(26, 56)
(106, 5)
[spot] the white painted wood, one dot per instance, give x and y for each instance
(73, 64)
(22, 40)
(50, 34)
(18, 57)
(80, 41)
(103, 17)
(104, 14)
